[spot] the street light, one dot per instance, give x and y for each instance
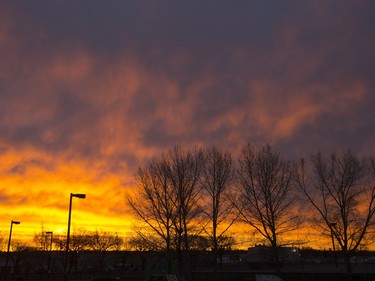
(10, 238)
(332, 226)
(50, 253)
(80, 196)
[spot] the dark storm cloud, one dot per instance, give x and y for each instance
(109, 28)
(293, 73)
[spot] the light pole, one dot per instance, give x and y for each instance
(332, 226)
(80, 196)
(50, 253)
(10, 238)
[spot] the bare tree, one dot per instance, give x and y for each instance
(167, 200)
(183, 172)
(200, 243)
(142, 242)
(167, 196)
(19, 246)
(216, 180)
(341, 190)
(19, 253)
(80, 241)
(42, 240)
(154, 204)
(105, 241)
(2, 240)
(266, 198)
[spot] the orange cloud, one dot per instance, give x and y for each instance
(80, 111)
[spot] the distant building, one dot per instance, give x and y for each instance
(261, 254)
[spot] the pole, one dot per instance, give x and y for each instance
(8, 250)
(333, 244)
(68, 239)
(50, 254)
(7, 256)
(66, 262)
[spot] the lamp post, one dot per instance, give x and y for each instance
(332, 226)
(50, 253)
(80, 196)
(10, 238)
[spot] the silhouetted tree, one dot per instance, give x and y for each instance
(42, 240)
(341, 190)
(167, 199)
(19, 246)
(105, 241)
(216, 179)
(226, 242)
(167, 196)
(183, 172)
(2, 240)
(154, 203)
(266, 198)
(143, 242)
(200, 243)
(20, 250)
(80, 240)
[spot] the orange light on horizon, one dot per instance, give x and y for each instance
(39, 197)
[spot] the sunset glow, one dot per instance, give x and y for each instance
(90, 92)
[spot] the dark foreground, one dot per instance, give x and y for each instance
(141, 266)
(195, 276)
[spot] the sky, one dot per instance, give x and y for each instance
(91, 90)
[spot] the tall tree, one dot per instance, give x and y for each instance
(266, 200)
(216, 180)
(167, 200)
(154, 204)
(167, 197)
(183, 172)
(341, 190)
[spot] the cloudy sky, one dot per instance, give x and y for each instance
(90, 90)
